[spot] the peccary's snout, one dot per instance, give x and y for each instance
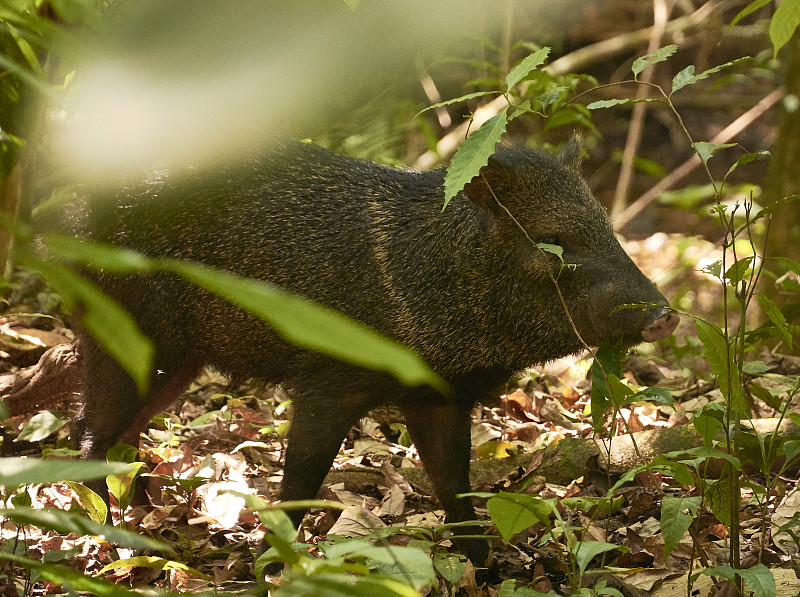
(662, 326)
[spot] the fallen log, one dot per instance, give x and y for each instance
(54, 380)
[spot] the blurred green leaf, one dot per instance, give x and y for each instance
(151, 562)
(62, 521)
(72, 580)
(776, 317)
(311, 325)
(15, 472)
(111, 325)
(783, 24)
(747, 10)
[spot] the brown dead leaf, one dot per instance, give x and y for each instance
(569, 396)
(634, 424)
(394, 502)
(526, 432)
(395, 479)
(518, 405)
(355, 521)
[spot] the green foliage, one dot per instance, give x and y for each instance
(68, 522)
(352, 567)
(720, 357)
(41, 426)
(512, 513)
(29, 471)
(297, 319)
(72, 580)
(526, 66)
(784, 23)
(112, 326)
(473, 154)
(659, 55)
(16, 472)
(607, 365)
(758, 578)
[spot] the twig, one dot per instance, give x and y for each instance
(728, 133)
(660, 16)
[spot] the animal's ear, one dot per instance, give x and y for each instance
(487, 185)
(570, 154)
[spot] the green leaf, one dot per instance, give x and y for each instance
(15, 472)
(723, 571)
(738, 270)
(556, 250)
(72, 580)
(62, 521)
(456, 100)
(611, 357)
(687, 76)
(111, 325)
(278, 522)
(659, 55)
(401, 562)
(746, 159)
(789, 264)
(512, 513)
(524, 68)
(718, 494)
(620, 391)
(791, 448)
(777, 318)
(608, 103)
(705, 150)
(684, 78)
(674, 522)
(472, 155)
(723, 367)
(151, 562)
(707, 426)
(587, 550)
(449, 565)
(551, 96)
(747, 10)
(97, 256)
(93, 504)
(655, 394)
(122, 486)
(783, 24)
(41, 426)
(615, 102)
(310, 325)
(760, 580)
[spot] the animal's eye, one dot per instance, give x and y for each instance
(549, 239)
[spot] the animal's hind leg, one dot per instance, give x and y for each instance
(112, 409)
